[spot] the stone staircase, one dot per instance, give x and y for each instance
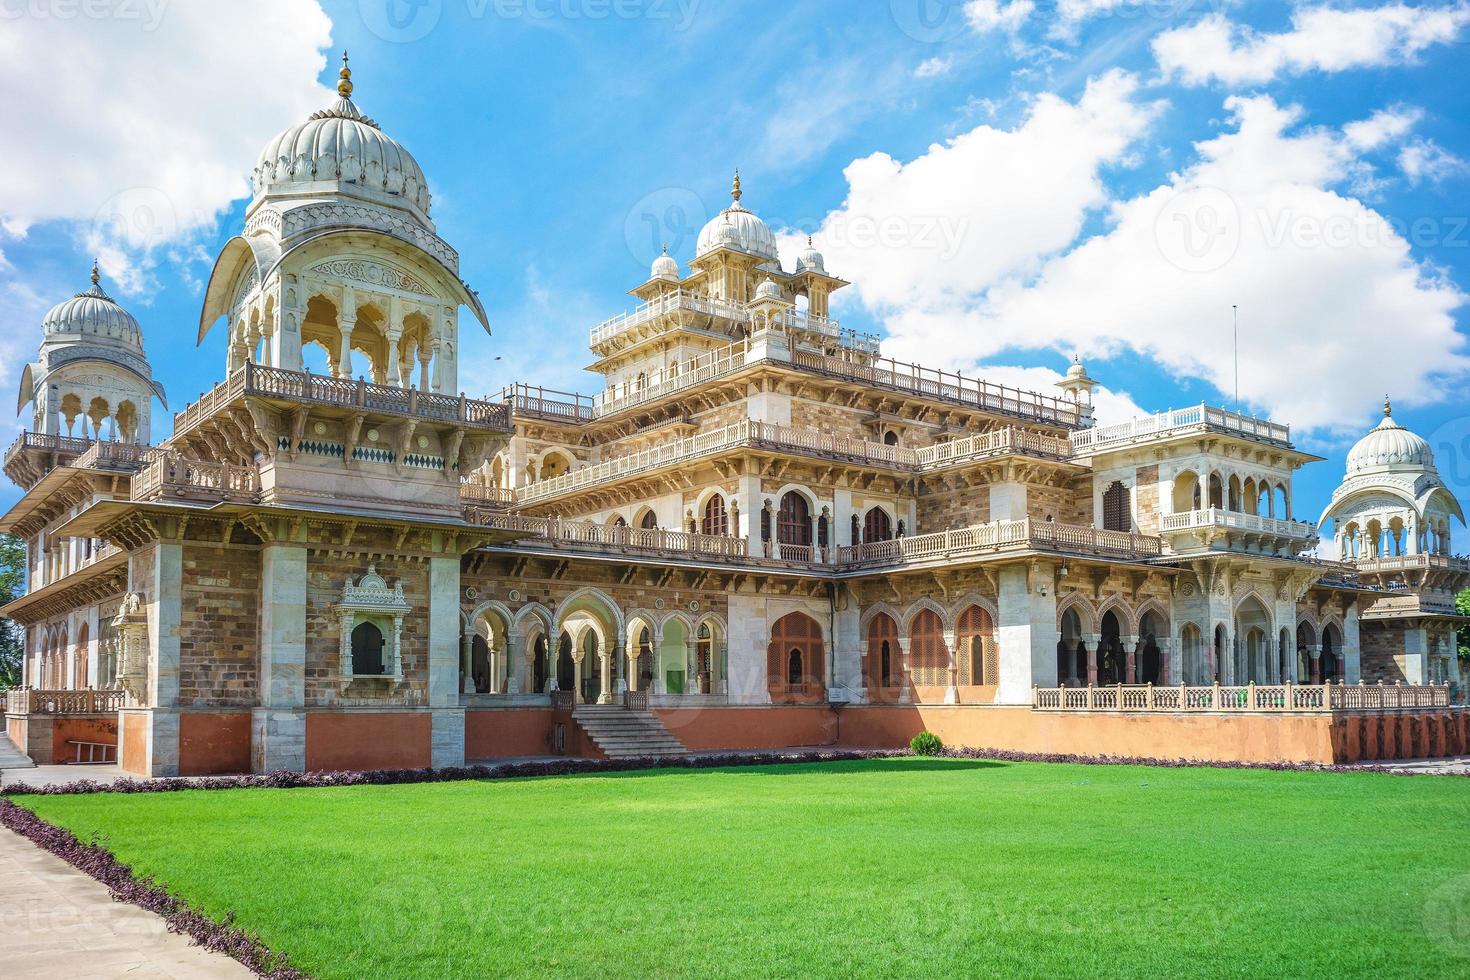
(624, 733)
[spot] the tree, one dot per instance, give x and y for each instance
(1462, 606)
(12, 585)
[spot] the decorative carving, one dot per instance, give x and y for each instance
(372, 273)
(131, 624)
(371, 600)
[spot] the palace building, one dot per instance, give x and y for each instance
(760, 533)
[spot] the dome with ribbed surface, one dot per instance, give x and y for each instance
(92, 316)
(343, 145)
(737, 228)
(664, 267)
(1389, 446)
(810, 260)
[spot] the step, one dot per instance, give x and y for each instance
(624, 734)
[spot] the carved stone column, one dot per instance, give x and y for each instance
(1089, 644)
(1130, 659)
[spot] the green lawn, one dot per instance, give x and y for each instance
(883, 868)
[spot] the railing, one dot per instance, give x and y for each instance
(1087, 441)
(526, 399)
(1023, 534)
(113, 455)
(590, 534)
(1000, 441)
(46, 443)
(885, 372)
(750, 433)
(169, 474)
(1246, 698)
(479, 493)
(563, 701)
(33, 701)
(304, 386)
(679, 301)
(706, 367)
(1236, 520)
(1410, 563)
(635, 700)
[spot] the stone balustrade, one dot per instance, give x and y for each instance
(170, 476)
(1164, 425)
(1240, 698)
(35, 701)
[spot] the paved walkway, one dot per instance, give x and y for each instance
(58, 924)
(12, 757)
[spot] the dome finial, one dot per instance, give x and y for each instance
(344, 83)
(665, 249)
(1387, 407)
(96, 276)
(735, 187)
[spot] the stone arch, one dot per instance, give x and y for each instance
(967, 599)
(536, 614)
(879, 609)
(644, 633)
(1188, 492)
(1119, 607)
(919, 605)
(598, 605)
(1194, 658)
(1087, 614)
(883, 661)
(796, 658)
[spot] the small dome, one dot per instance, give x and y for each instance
(737, 228)
(664, 267)
(768, 290)
(810, 260)
(92, 315)
(340, 144)
(1389, 446)
(1076, 370)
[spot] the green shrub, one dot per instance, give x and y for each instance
(926, 743)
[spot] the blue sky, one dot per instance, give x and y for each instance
(1100, 177)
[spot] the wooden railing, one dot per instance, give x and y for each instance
(1000, 535)
(1246, 698)
(34, 701)
(1165, 424)
(170, 475)
(254, 380)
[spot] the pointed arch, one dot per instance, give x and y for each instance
(1088, 615)
(918, 606)
(1119, 607)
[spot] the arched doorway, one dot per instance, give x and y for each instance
(1192, 653)
(1219, 653)
(883, 663)
(1070, 667)
(1148, 660)
(928, 656)
(480, 664)
(794, 520)
(1110, 658)
(795, 659)
(1331, 658)
(877, 525)
(566, 667)
(1253, 629)
(645, 662)
(540, 668)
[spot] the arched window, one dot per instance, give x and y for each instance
(714, 521)
(882, 652)
(540, 675)
(1116, 512)
(794, 520)
(704, 654)
(480, 664)
(856, 531)
(890, 438)
(799, 634)
(877, 525)
(928, 657)
(367, 650)
(649, 521)
(766, 522)
(619, 521)
(975, 650)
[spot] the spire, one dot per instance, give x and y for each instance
(344, 83)
(809, 241)
(1387, 407)
(96, 276)
(735, 187)
(665, 250)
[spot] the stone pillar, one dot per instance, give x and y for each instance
(1026, 631)
(1089, 646)
(165, 608)
(279, 724)
(906, 690)
(952, 692)
(345, 322)
(444, 659)
(395, 365)
(467, 660)
(577, 657)
(1314, 655)
(426, 357)
(514, 657)
(1352, 650)
(1130, 659)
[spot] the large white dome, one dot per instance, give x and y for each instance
(92, 316)
(736, 227)
(341, 144)
(1389, 446)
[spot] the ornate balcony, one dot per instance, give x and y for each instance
(33, 701)
(1018, 535)
(1184, 421)
(34, 454)
(170, 476)
(1216, 529)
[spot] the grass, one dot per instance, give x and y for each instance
(881, 868)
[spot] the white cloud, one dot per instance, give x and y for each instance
(1424, 159)
(1383, 127)
(1320, 280)
(1321, 38)
(143, 129)
(984, 16)
(934, 67)
(988, 204)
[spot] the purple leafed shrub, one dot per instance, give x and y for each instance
(92, 859)
(1006, 755)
